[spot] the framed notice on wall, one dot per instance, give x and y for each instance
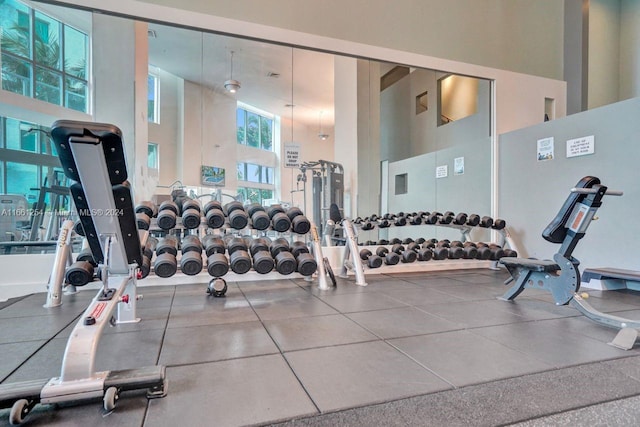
(291, 155)
(545, 149)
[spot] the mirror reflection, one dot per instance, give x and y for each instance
(230, 118)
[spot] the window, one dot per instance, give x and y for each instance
(457, 98)
(152, 156)
(255, 173)
(43, 58)
(153, 98)
(27, 161)
(254, 130)
(254, 195)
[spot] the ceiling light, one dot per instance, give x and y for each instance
(323, 136)
(232, 85)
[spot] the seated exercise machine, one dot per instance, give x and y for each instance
(92, 156)
(561, 275)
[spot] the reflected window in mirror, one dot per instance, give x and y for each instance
(254, 129)
(42, 57)
(153, 98)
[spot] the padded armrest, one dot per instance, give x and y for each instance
(556, 230)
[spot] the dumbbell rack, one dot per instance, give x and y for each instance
(349, 260)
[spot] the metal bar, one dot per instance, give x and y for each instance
(317, 253)
(602, 318)
(594, 190)
(56, 280)
(352, 247)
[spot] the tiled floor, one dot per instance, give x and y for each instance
(405, 350)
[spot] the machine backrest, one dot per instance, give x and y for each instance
(92, 156)
(557, 229)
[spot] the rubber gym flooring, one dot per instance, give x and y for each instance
(430, 349)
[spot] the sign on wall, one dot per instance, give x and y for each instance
(545, 149)
(291, 155)
(458, 166)
(442, 171)
(581, 146)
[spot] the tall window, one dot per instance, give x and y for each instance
(153, 98)
(254, 130)
(258, 174)
(152, 155)
(43, 58)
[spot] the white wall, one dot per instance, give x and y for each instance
(630, 49)
(531, 192)
(604, 52)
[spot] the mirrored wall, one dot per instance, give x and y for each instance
(230, 118)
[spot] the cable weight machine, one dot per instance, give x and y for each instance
(327, 184)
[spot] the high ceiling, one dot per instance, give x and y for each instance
(273, 77)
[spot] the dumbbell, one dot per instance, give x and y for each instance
(213, 214)
(469, 250)
(279, 219)
(384, 223)
(425, 254)
(259, 244)
(390, 258)
(439, 253)
(366, 226)
(460, 219)
(446, 218)
(499, 224)
(86, 255)
(217, 287)
(373, 260)
(143, 221)
(79, 273)
(495, 251)
(383, 242)
(406, 256)
(259, 218)
(482, 251)
(165, 264)
(306, 264)
(298, 248)
(455, 252)
(420, 240)
(415, 219)
(167, 214)
(262, 261)
(432, 218)
(510, 253)
(400, 221)
(279, 245)
(191, 260)
(238, 218)
(486, 222)
(147, 255)
(217, 264)
(413, 246)
(299, 222)
(395, 241)
(239, 259)
(473, 220)
(213, 244)
(148, 208)
(191, 214)
(78, 228)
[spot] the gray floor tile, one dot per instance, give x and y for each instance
(356, 374)
(33, 306)
(469, 292)
(195, 296)
(535, 309)
(292, 307)
(612, 303)
(474, 314)
(421, 296)
(266, 285)
(317, 331)
(402, 322)
(434, 281)
(127, 350)
(479, 279)
(155, 299)
(14, 354)
(550, 343)
(463, 358)
(215, 342)
(18, 329)
(350, 303)
(230, 393)
(212, 311)
(130, 411)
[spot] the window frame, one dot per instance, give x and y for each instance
(156, 97)
(262, 116)
(61, 72)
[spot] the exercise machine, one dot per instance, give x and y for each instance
(92, 156)
(327, 183)
(561, 276)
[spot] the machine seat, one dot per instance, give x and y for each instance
(540, 265)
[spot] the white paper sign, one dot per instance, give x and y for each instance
(545, 149)
(291, 155)
(442, 171)
(458, 166)
(581, 146)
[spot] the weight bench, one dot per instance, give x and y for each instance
(561, 277)
(92, 156)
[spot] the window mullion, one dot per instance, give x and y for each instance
(32, 54)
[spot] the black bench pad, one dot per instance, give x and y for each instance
(610, 273)
(543, 265)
